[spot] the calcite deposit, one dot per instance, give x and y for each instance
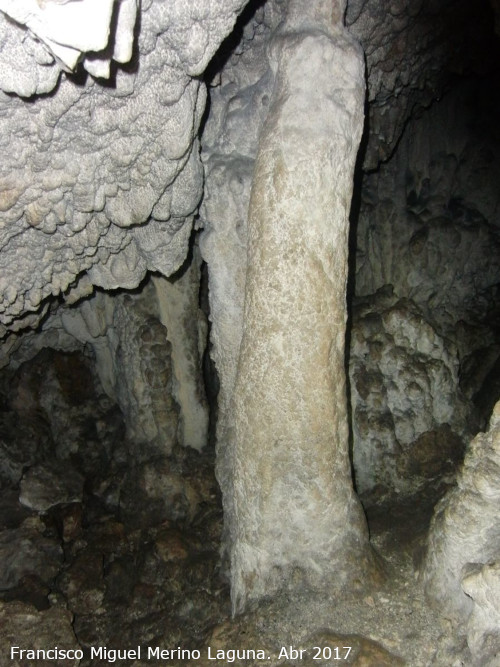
(99, 182)
(411, 51)
(271, 226)
(465, 535)
(410, 419)
(281, 362)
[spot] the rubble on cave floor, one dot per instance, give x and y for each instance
(90, 556)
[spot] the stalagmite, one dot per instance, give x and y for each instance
(291, 507)
(186, 331)
(463, 530)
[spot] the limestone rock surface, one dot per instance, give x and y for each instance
(410, 419)
(103, 180)
(180, 313)
(429, 220)
(482, 585)
(44, 486)
(288, 409)
(147, 348)
(26, 551)
(239, 103)
(461, 567)
(69, 30)
(412, 50)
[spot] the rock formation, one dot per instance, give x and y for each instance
(289, 402)
(273, 224)
(101, 184)
(461, 568)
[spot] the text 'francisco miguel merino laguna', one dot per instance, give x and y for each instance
(111, 655)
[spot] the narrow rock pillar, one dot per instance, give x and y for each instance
(293, 508)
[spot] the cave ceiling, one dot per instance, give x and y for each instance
(101, 178)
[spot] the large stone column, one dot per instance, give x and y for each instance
(293, 507)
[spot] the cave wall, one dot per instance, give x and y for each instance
(424, 343)
(425, 244)
(104, 172)
(461, 572)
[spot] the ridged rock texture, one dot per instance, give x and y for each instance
(141, 139)
(151, 369)
(99, 181)
(412, 49)
(240, 97)
(461, 569)
(288, 429)
(410, 418)
(424, 343)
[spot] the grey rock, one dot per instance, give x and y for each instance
(286, 440)
(155, 492)
(86, 203)
(25, 551)
(482, 585)
(409, 415)
(240, 97)
(186, 330)
(22, 444)
(49, 484)
(428, 223)
(465, 536)
(409, 48)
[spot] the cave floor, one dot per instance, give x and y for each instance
(100, 550)
(391, 624)
(160, 587)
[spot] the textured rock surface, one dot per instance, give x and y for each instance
(44, 486)
(104, 180)
(482, 585)
(239, 103)
(464, 536)
(22, 625)
(412, 50)
(135, 559)
(409, 416)
(101, 184)
(326, 645)
(428, 231)
(289, 420)
(141, 372)
(26, 551)
(134, 555)
(429, 220)
(154, 374)
(141, 548)
(68, 30)
(180, 314)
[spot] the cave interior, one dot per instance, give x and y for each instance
(250, 332)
